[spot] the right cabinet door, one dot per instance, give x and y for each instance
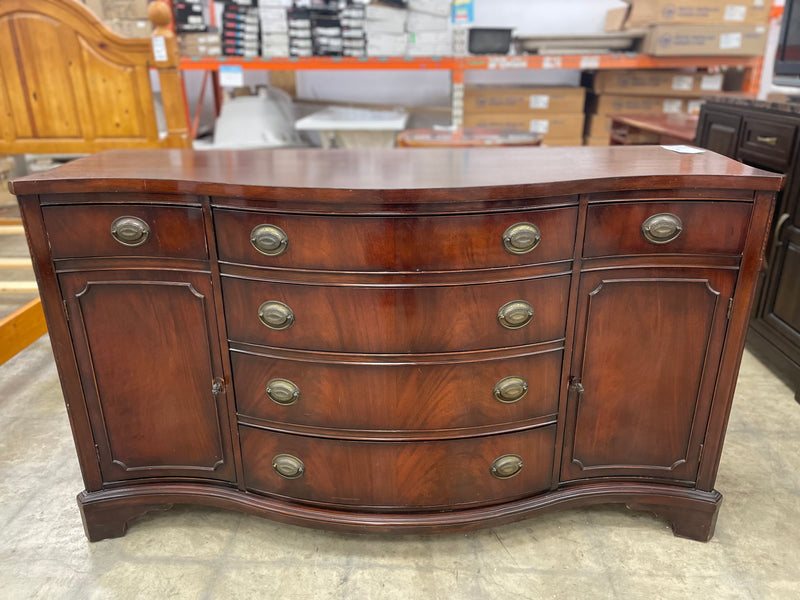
(647, 348)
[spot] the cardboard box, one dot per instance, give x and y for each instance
(552, 127)
(130, 28)
(654, 83)
(616, 19)
(705, 40)
(597, 141)
(598, 126)
(644, 13)
(522, 100)
(609, 104)
(119, 9)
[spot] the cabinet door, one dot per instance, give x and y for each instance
(780, 310)
(647, 349)
(146, 351)
(719, 132)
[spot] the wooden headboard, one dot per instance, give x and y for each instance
(70, 85)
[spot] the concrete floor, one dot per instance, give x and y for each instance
(195, 552)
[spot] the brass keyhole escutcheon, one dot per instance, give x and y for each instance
(662, 228)
(510, 389)
(506, 466)
(275, 315)
(269, 240)
(521, 238)
(130, 231)
(515, 314)
(288, 466)
(283, 392)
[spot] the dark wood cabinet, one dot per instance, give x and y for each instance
(407, 341)
(634, 412)
(767, 137)
(149, 356)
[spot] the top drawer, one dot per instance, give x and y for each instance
(396, 243)
(125, 230)
(666, 228)
(767, 143)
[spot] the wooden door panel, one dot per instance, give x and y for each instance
(645, 343)
(781, 308)
(145, 349)
(719, 132)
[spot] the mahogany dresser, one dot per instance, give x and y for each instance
(413, 340)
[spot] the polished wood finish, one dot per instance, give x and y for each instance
(429, 394)
(69, 84)
(399, 475)
(378, 244)
(395, 349)
(670, 128)
(767, 137)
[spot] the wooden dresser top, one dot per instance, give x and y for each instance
(418, 173)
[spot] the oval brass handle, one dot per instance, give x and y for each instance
(130, 231)
(662, 228)
(275, 315)
(515, 314)
(288, 466)
(510, 389)
(506, 466)
(283, 392)
(521, 238)
(768, 140)
(270, 240)
(776, 235)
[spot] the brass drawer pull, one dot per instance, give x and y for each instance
(515, 314)
(506, 466)
(521, 238)
(283, 392)
(270, 240)
(275, 315)
(510, 389)
(770, 140)
(662, 228)
(288, 466)
(130, 231)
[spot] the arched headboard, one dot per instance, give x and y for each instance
(70, 85)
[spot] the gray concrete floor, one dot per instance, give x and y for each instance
(195, 552)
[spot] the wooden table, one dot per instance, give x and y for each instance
(630, 130)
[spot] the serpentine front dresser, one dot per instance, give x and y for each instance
(410, 340)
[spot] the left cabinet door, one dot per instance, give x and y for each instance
(148, 353)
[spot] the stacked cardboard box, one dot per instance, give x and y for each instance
(240, 28)
(642, 92)
(206, 43)
(189, 17)
(428, 27)
(554, 112)
(385, 27)
(354, 36)
(274, 27)
(696, 27)
(127, 18)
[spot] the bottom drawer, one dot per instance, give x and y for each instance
(398, 475)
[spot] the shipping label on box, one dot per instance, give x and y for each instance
(710, 40)
(555, 100)
(655, 83)
(644, 13)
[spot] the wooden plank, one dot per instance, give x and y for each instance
(11, 229)
(21, 328)
(15, 263)
(15, 287)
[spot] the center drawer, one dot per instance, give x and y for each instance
(420, 243)
(395, 320)
(422, 396)
(398, 475)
